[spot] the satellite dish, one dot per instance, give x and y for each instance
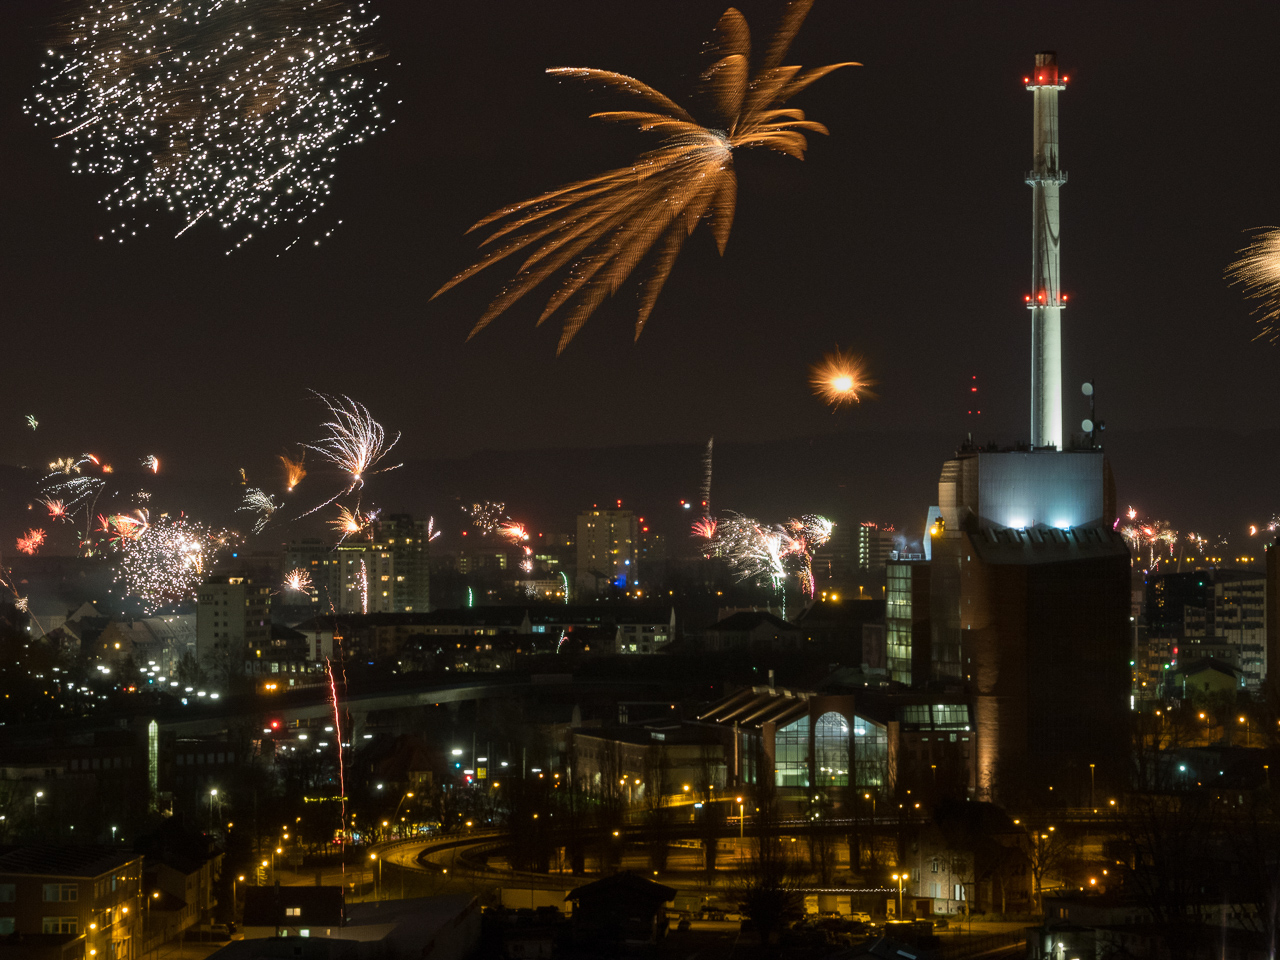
(1086, 425)
(1087, 389)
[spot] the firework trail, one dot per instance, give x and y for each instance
(706, 478)
(294, 471)
(151, 462)
(527, 563)
(297, 580)
(564, 635)
(337, 729)
(32, 422)
(1258, 273)
(432, 532)
(595, 233)
(564, 578)
(230, 110)
(166, 562)
(363, 580)
(261, 503)
(31, 542)
(839, 378)
(356, 443)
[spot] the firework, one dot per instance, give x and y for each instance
(487, 517)
(32, 422)
(166, 562)
(230, 110)
(57, 509)
(298, 580)
(704, 528)
(596, 232)
(294, 471)
(31, 542)
(1157, 537)
(1258, 273)
(68, 465)
(362, 581)
(120, 527)
(20, 604)
(152, 463)
(769, 554)
(356, 442)
(513, 531)
(839, 379)
(350, 522)
(259, 502)
(337, 729)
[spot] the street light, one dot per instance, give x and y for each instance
(742, 816)
(213, 794)
(377, 893)
(899, 877)
(1091, 781)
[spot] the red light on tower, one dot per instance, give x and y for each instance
(275, 724)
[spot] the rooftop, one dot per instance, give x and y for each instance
(63, 861)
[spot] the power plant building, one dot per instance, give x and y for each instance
(1029, 583)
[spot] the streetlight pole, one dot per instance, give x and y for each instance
(742, 816)
(213, 795)
(1091, 783)
(899, 877)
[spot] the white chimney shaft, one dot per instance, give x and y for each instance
(1046, 300)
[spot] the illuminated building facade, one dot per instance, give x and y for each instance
(906, 619)
(233, 616)
(607, 548)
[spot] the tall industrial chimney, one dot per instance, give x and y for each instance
(1045, 299)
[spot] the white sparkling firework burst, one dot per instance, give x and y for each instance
(167, 561)
(769, 553)
(151, 462)
(259, 502)
(297, 580)
(20, 604)
(356, 442)
(32, 422)
(233, 111)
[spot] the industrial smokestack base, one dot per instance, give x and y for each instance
(1046, 300)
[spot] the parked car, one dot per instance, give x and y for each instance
(860, 916)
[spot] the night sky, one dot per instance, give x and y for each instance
(905, 236)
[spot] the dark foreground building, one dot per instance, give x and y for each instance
(1030, 609)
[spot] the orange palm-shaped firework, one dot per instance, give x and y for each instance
(596, 232)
